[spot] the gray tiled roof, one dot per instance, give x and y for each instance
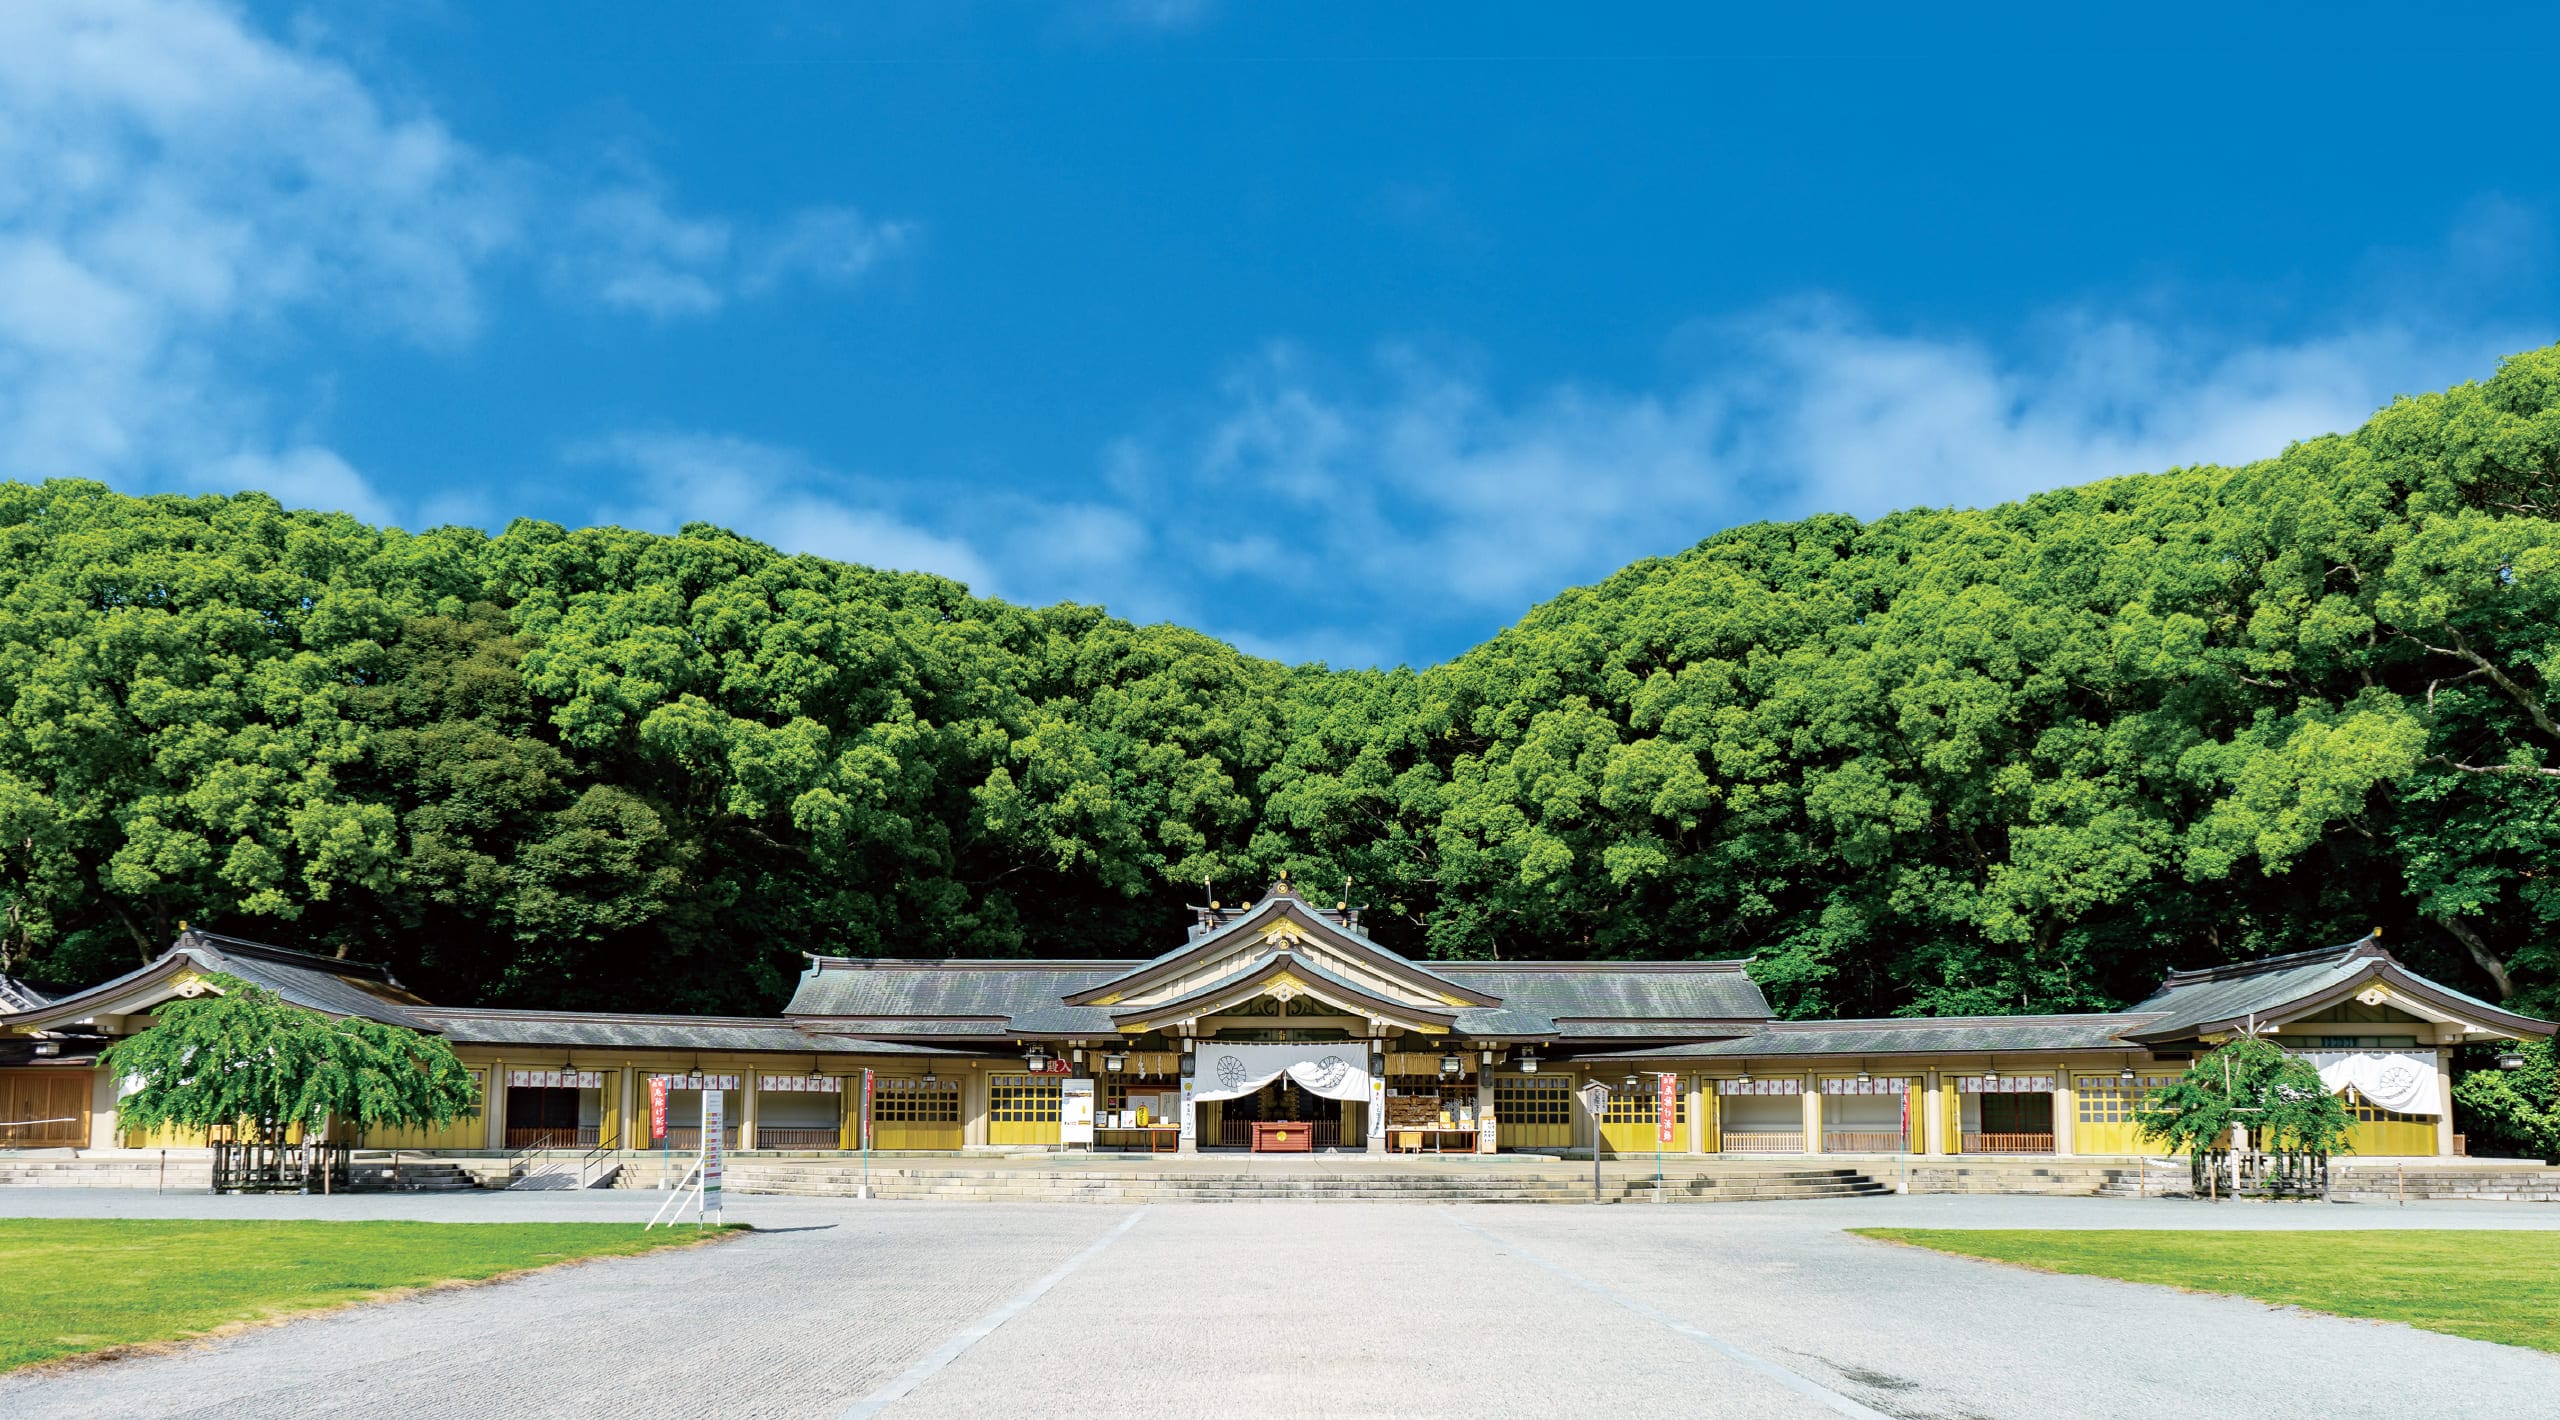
(16, 995)
(583, 1029)
(1065, 1020)
(1685, 991)
(326, 984)
(2192, 1001)
(1914, 1036)
(837, 986)
(1504, 1020)
(2187, 1000)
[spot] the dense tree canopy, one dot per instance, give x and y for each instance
(2019, 758)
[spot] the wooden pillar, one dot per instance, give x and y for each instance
(1696, 1094)
(1488, 1128)
(2065, 1112)
(753, 1079)
(973, 1107)
(635, 1121)
(498, 1104)
(1933, 1115)
(2444, 1102)
(1812, 1113)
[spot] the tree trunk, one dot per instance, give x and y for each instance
(2481, 956)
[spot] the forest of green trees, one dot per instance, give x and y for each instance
(2024, 758)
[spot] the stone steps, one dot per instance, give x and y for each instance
(2371, 1184)
(1080, 1185)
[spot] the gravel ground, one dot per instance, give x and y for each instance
(1329, 1309)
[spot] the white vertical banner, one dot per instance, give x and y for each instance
(1075, 1111)
(1377, 1107)
(711, 1155)
(1190, 1114)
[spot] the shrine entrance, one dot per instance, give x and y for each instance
(1250, 1088)
(1329, 1122)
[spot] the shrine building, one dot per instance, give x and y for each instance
(1280, 1025)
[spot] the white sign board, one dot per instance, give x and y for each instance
(1075, 1111)
(1595, 1098)
(1190, 1129)
(1377, 1107)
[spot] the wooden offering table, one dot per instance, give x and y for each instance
(1283, 1136)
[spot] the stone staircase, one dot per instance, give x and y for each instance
(2386, 1183)
(2153, 1179)
(190, 1172)
(2046, 1177)
(1294, 1183)
(373, 1173)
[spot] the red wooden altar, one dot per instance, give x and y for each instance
(1283, 1136)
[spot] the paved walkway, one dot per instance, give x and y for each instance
(1334, 1309)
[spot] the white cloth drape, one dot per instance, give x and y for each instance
(1334, 1070)
(2398, 1081)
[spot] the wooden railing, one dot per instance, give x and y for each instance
(775, 1137)
(1756, 1141)
(683, 1137)
(560, 1137)
(1238, 1133)
(1858, 1141)
(1980, 1143)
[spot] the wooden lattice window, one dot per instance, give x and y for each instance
(1533, 1099)
(1640, 1107)
(1022, 1099)
(896, 1101)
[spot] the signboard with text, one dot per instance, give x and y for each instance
(869, 1078)
(1666, 1108)
(1075, 1111)
(658, 1109)
(711, 1155)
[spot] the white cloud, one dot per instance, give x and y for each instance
(629, 248)
(187, 205)
(773, 494)
(1417, 487)
(170, 181)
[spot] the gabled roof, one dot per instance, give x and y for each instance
(584, 1029)
(1336, 930)
(1257, 975)
(326, 984)
(2278, 988)
(1917, 1035)
(16, 996)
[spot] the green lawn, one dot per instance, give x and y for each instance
(81, 1285)
(2491, 1286)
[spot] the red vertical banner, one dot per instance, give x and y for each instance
(1666, 1106)
(866, 1106)
(658, 1108)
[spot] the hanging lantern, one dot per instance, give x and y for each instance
(1037, 1060)
(1527, 1061)
(1452, 1064)
(2126, 1075)
(1115, 1062)
(2510, 1060)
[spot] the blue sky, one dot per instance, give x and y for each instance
(1342, 331)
